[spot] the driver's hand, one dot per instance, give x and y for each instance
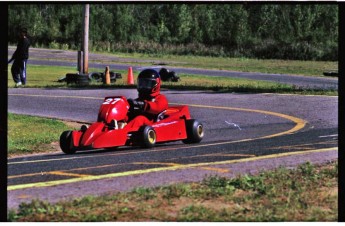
(136, 105)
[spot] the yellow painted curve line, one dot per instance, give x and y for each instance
(300, 123)
(171, 168)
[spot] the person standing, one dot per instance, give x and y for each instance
(20, 58)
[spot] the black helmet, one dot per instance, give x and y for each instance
(149, 82)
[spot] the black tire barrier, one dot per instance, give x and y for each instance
(100, 76)
(168, 76)
(331, 73)
(79, 79)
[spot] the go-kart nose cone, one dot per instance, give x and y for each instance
(113, 109)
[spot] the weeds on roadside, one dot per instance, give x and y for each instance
(307, 193)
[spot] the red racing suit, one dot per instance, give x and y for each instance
(152, 108)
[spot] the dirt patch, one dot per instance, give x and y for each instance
(53, 147)
(75, 125)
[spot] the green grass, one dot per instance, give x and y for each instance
(28, 134)
(42, 76)
(307, 193)
(295, 67)
(47, 76)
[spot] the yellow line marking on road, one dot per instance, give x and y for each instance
(216, 155)
(301, 146)
(50, 160)
(157, 163)
(75, 169)
(177, 167)
(61, 173)
(236, 155)
(219, 170)
(25, 175)
(176, 164)
(300, 123)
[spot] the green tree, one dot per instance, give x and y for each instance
(284, 31)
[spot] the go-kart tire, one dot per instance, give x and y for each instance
(149, 137)
(195, 131)
(66, 142)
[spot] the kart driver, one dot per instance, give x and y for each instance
(145, 109)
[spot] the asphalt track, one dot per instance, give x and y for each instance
(245, 133)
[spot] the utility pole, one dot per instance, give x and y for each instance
(86, 39)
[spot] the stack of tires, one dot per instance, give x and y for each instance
(100, 76)
(84, 79)
(79, 79)
(332, 73)
(168, 76)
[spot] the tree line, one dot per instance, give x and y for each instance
(265, 31)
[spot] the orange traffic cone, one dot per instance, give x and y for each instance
(107, 75)
(130, 79)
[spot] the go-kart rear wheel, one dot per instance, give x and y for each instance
(149, 137)
(195, 131)
(66, 142)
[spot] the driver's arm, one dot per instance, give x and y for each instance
(157, 106)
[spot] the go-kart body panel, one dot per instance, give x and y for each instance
(91, 134)
(111, 138)
(170, 131)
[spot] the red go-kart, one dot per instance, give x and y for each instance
(111, 131)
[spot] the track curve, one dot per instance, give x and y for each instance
(240, 129)
(245, 133)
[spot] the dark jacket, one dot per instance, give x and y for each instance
(22, 51)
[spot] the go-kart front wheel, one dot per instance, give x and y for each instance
(149, 137)
(66, 142)
(195, 131)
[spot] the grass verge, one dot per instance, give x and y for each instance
(47, 77)
(307, 193)
(294, 67)
(28, 134)
(272, 66)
